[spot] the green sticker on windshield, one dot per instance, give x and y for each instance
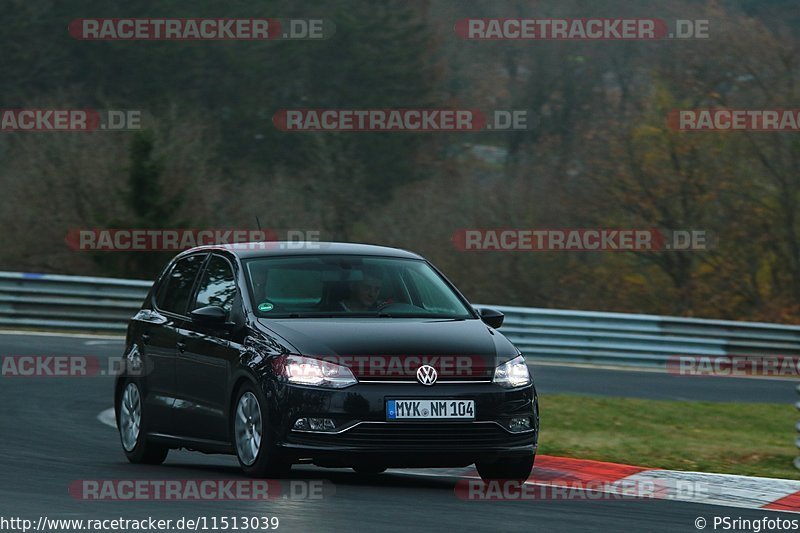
(266, 306)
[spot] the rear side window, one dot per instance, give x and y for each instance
(174, 293)
(217, 286)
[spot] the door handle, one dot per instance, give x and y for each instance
(181, 346)
(145, 338)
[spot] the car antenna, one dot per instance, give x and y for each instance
(258, 223)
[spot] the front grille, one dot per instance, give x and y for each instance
(414, 435)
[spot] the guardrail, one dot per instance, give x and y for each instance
(633, 339)
(47, 301)
(50, 301)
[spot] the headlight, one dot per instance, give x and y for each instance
(316, 372)
(513, 373)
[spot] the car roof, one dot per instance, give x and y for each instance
(249, 250)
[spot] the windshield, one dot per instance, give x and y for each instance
(350, 286)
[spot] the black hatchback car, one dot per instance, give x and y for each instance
(340, 355)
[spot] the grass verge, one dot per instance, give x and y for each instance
(729, 438)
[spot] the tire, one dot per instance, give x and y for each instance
(514, 469)
(249, 430)
(369, 470)
(132, 424)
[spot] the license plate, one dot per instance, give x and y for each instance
(429, 409)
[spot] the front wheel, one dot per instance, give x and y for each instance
(250, 436)
(516, 468)
(131, 424)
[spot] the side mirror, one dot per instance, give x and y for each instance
(491, 317)
(210, 315)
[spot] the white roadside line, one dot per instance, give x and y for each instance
(61, 334)
(108, 417)
(717, 489)
(743, 492)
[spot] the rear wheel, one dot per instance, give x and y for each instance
(516, 468)
(256, 455)
(131, 421)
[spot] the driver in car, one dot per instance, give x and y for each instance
(364, 294)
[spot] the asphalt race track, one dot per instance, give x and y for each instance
(51, 437)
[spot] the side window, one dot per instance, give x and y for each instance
(176, 290)
(217, 287)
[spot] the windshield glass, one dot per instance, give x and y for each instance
(328, 285)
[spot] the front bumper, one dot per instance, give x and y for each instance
(364, 435)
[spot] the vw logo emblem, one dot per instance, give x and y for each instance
(427, 375)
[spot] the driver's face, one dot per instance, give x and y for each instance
(366, 292)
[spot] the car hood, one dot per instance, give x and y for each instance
(390, 348)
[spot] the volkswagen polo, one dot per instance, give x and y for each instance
(340, 355)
